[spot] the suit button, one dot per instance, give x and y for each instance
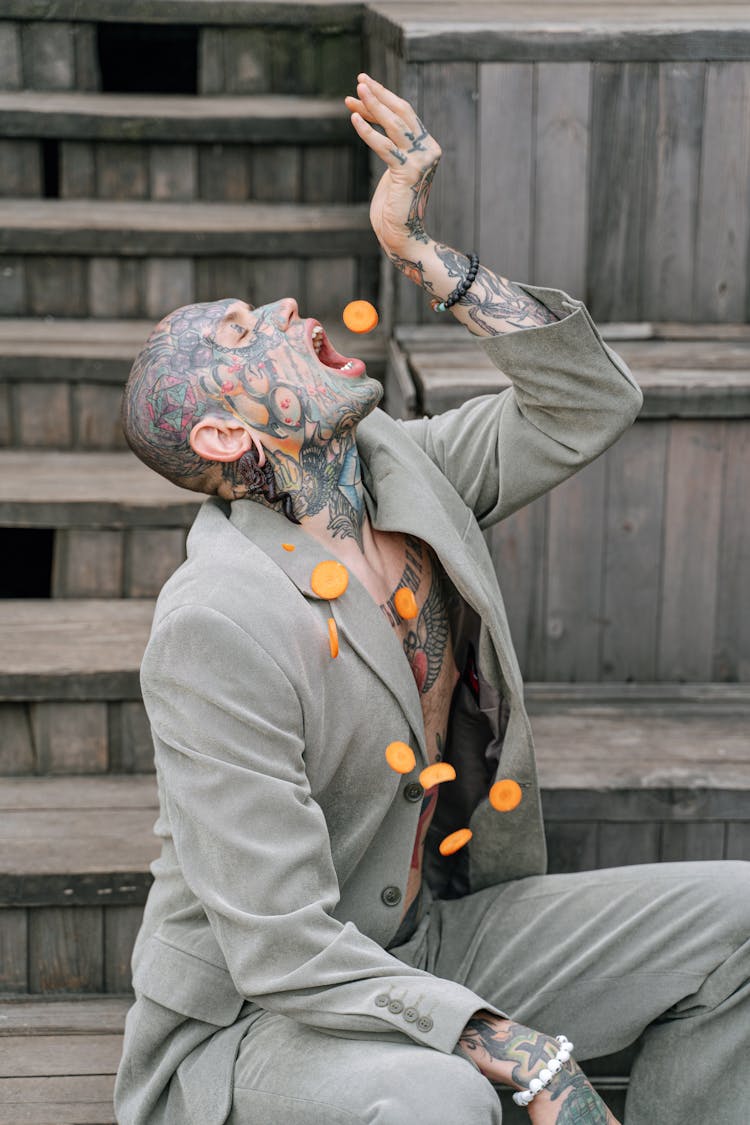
(411, 1015)
(413, 791)
(396, 1007)
(382, 1000)
(391, 896)
(424, 1023)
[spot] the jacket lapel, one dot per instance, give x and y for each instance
(359, 621)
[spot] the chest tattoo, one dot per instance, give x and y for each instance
(427, 637)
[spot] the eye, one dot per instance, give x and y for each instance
(239, 330)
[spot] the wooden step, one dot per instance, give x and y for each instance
(689, 371)
(490, 32)
(63, 115)
(102, 351)
(196, 229)
(331, 14)
(58, 1060)
(74, 874)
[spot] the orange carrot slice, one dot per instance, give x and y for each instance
(333, 638)
(329, 579)
(433, 775)
(505, 795)
(360, 316)
(405, 603)
(400, 757)
(288, 546)
(457, 840)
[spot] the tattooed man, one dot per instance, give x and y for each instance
(333, 693)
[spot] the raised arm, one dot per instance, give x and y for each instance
(493, 304)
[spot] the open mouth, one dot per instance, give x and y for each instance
(329, 357)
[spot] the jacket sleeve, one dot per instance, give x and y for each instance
(253, 844)
(571, 398)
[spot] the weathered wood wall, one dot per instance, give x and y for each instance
(621, 174)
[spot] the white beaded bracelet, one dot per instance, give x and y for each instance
(545, 1076)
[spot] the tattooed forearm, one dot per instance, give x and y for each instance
(492, 298)
(579, 1101)
(414, 270)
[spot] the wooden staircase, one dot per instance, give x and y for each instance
(237, 173)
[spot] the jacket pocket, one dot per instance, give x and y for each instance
(184, 983)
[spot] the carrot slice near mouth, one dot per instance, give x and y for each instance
(360, 316)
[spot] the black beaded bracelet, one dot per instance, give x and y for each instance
(461, 289)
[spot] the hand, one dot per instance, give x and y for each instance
(510, 1053)
(398, 205)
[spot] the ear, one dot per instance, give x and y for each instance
(224, 439)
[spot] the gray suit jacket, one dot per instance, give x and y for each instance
(286, 835)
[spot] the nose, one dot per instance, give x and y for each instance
(285, 312)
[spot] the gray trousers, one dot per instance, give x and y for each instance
(602, 956)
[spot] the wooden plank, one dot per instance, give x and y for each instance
(329, 285)
(10, 56)
(131, 748)
(42, 418)
(20, 168)
(121, 926)
(247, 61)
(65, 949)
(623, 97)
(737, 845)
(122, 171)
(151, 556)
(519, 550)
(55, 286)
(276, 173)
(400, 393)
(571, 847)
(66, 649)
(96, 417)
(13, 285)
(634, 512)
(115, 287)
(86, 57)
(211, 61)
(575, 558)
(731, 660)
(273, 280)
(216, 278)
(726, 698)
(14, 951)
(57, 1054)
(698, 841)
(326, 174)
(223, 173)
(173, 172)
(692, 513)
(453, 122)
(170, 284)
(16, 742)
(339, 60)
(48, 55)
(294, 64)
(6, 417)
(76, 1100)
(107, 794)
(564, 33)
(561, 175)
(622, 844)
(143, 228)
(30, 1017)
(70, 738)
(87, 564)
(721, 290)
(505, 186)
(672, 179)
(77, 170)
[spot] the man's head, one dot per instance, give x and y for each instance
(215, 381)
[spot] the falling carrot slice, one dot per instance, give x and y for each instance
(360, 316)
(400, 757)
(433, 775)
(288, 546)
(329, 579)
(405, 603)
(454, 842)
(505, 795)
(333, 638)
